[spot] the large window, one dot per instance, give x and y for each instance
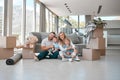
(29, 16)
(76, 21)
(50, 21)
(1, 15)
(17, 17)
(68, 23)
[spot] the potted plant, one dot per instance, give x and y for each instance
(99, 22)
(99, 25)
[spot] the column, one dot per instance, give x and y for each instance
(87, 18)
(10, 13)
(4, 25)
(23, 27)
(42, 18)
(34, 16)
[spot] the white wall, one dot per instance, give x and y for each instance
(113, 31)
(113, 24)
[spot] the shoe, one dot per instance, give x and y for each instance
(77, 58)
(70, 60)
(36, 54)
(48, 57)
(64, 60)
(36, 58)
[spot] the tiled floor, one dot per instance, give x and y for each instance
(107, 68)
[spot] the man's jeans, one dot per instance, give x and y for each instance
(43, 55)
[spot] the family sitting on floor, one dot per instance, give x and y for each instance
(54, 47)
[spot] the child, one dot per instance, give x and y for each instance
(56, 46)
(68, 50)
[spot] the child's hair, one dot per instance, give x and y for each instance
(55, 37)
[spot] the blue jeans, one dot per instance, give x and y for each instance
(43, 55)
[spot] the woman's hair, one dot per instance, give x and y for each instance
(60, 40)
(67, 39)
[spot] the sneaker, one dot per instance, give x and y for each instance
(36, 54)
(77, 58)
(64, 60)
(36, 58)
(48, 57)
(70, 60)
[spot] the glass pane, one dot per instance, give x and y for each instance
(74, 21)
(29, 16)
(62, 22)
(17, 17)
(82, 21)
(47, 21)
(50, 21)
(37, 16)
(53, 22)
(1, 15)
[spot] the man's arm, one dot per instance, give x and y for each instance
(46, 47)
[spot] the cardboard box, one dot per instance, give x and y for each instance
(6, 53)
(102, 52)
(7, 42)
(91, 54)
(27, 53)
(98, 32)
(96, 43)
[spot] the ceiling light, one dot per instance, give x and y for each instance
(67, 7)
(99, 9)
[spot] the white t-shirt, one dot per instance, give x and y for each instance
(46, 42)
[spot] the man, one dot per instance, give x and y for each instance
(46, 45)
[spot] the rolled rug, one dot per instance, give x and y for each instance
(14, 59)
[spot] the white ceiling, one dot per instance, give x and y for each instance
(84, 7)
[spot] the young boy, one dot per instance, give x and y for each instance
(56, 46)
(68, 50)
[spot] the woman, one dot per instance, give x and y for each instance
(62, 37)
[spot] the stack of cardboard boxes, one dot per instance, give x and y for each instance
(96, 46)
(7, 45)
